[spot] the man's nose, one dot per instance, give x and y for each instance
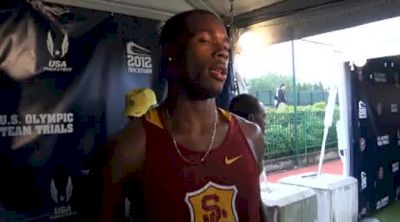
(221, 49)
(222, 53)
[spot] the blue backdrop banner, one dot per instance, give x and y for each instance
(64, 73)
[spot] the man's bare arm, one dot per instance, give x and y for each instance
(125, 154)
(255, 139)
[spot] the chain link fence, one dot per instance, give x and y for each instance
(283, 139)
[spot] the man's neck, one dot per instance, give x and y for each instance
(192, 116)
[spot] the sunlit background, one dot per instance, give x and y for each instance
(316, 58)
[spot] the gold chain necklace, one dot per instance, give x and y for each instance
(209, 147)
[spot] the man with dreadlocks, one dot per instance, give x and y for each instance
(189, 159)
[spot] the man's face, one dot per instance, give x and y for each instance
(259, 117)
(363, 144)
(205, 63)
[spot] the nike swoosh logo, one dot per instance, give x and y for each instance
(229, 161)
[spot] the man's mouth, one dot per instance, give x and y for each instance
(218, 73)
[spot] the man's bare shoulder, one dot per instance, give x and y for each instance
(254, 137)
(250, 129)
(126, 149)
(132, 133)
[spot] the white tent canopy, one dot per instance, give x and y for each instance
(281, 20)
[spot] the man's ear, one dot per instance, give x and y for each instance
(169, 60)
(251, 117)
(170, 51)
(175, 51)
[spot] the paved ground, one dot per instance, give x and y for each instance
(331, 167)
(389, 214)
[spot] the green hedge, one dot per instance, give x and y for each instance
(281, 139)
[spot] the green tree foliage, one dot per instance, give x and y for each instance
(271, 81)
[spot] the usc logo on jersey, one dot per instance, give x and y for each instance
(212, 203)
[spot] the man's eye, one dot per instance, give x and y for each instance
(205, 41)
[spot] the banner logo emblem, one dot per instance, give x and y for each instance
(57, 63)
(383, 140)
(62, 207)
(363, 180)
(57, 53)
(362, 110)
(139, 59)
